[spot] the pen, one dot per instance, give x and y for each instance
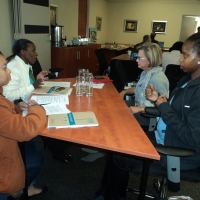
(25, 101)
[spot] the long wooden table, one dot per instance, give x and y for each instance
(122, 57)
(118, 130)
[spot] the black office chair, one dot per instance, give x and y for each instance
(103, 65)
(36, 67)
(173, 172)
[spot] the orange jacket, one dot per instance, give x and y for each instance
(15, 128)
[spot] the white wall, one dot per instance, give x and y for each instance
(145, 12)
(113, 16)
(6, 36)
(99, 8)
(67, 16)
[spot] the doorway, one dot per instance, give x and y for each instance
(189, 26)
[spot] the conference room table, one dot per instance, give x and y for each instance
(118, 130)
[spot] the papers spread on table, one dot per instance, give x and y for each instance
(97, 86)
(53, 109)
(51, 90)
(72, 120)
(51, 99)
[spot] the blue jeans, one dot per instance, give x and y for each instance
(34, 162)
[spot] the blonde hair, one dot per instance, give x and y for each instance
(153, 53)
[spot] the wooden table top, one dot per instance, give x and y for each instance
(122, 57)
(118, 130)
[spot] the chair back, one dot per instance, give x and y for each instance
(102, 60)
(123, 71)
(174, 73)
(36, 67)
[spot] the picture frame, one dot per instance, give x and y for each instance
(98, 23)
(131, 26)
(93, 34)
(159, 27)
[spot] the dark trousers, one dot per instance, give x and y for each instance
(54, 145)
(116, 174)
(34, 161)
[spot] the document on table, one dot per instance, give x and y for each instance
(53, 109)
(97, 86)
(72, 120)
(52, 90)
(51, 99)
(52, 83)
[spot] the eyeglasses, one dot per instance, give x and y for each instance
(139, 58)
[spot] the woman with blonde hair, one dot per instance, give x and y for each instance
(149, 58)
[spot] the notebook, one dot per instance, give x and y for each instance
(72, 120)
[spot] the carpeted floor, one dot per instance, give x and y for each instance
(80, 180)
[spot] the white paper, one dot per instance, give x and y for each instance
(52, 109)
(61, 84)
(96, 85)
(51, 99)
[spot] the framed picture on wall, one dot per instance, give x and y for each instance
(130, 25)
(159, 27)
(98, 23)
(93, 34)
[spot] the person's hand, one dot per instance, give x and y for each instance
(26, 105)
(42, 74)
(38, 83)
(136, 109)
(151, 93)
(23, 106)
(122, 93)
(162, 98)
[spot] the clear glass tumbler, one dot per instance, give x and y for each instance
(89, 85)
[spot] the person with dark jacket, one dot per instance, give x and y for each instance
(153, 35)
(178, 125)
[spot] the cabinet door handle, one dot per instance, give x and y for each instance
(77, 55)
(88, 53)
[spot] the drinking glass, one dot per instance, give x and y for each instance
(79, 86)
(89, 85)
(84, 73)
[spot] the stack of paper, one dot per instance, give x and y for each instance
(72, 120)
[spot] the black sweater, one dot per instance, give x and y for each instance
(182, 118)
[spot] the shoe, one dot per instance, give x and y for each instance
(66, 158)
(44, 190)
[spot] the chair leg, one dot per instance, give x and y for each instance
(152, 124)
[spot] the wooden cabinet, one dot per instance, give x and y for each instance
(73, 58)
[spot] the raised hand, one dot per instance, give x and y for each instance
(151, 93)
(42, 74)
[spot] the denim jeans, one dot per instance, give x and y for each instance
(34, 162)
